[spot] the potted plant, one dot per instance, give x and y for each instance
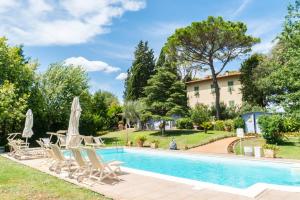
(140, 140)
(154, 144)
(270, 150)
(129, 143)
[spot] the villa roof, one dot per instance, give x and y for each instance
(208, 78)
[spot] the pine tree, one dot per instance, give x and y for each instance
(141, 70)
(165, 93)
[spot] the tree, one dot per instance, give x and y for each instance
(58, 86)
(212, 44)
(200, 114)
(141, 70)
(165, 94)
(15, 68)
(12, 109)
(249, 75)
(282, 81)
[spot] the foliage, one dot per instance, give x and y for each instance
(184, 123)
(141, 138)
(206, 126)
(228, 125)
(292, 123)
(247, 107)
(250, 92)
(141, 70)
(219, 125)
(132, 110)
(225, 111)
(238, 122)
(155, 142)
(282, 79)
(165, 94)
(12, 109)
(200, 114)
(272, 128)
(208, 42)
(271, 147)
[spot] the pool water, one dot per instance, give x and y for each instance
(222, 171)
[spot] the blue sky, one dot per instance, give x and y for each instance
(101, 34)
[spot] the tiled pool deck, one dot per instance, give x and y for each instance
(139, 187)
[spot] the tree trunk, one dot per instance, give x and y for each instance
(163, 128)
(216, 87)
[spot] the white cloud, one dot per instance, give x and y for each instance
(164, 28)
(122, 76)
(241, 8)
(264, 47)
(91, 66)
(47, 22)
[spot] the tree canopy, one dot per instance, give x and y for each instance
(211, 44)
(141, 70)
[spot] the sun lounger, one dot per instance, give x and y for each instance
(19, 151)
(91, 141)
(60, 162)
(83, 167)
(100, 169)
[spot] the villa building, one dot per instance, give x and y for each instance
(202, 91)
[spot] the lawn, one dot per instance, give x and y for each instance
(21, 182)
(183, 138)
(289, 149)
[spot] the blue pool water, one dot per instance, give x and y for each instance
(228, 172)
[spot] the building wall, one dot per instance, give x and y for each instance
(208, 98)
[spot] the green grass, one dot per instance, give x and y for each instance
(20, 182)
(289, 149)
(183, 138)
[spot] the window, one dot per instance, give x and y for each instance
(230, 86)
(212, 87)
(196, 91)
(231, 103)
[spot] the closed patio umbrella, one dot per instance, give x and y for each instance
(74, 120)
(27, 132)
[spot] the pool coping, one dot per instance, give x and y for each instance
(252, 191)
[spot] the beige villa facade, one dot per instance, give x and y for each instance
(202, 92)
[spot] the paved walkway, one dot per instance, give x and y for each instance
(139, 187)
(219, 146)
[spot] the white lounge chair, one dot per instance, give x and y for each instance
(19, 151)
(91, 141)
(100, 169)
(60, 162)
(83, 167)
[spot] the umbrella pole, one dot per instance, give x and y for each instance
(26, 141)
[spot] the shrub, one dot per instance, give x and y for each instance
(227, 112)
(272, 128)
(291, 123)
(219, 125)
(228, 125)
(271, 147)
(200, 114)
(184, 123)
(206, 126)
(155, 142)
(238, 123)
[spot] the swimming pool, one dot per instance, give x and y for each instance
(235, 173)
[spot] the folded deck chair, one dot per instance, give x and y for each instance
(20, 151)
(91, 141)
(83, 167)
(62, 141)
(100, 169)
(60, 162)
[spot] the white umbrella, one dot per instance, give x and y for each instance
(74, 120)
(27, 132)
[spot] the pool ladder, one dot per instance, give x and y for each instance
(118, 147)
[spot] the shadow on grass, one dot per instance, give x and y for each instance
(169, 133)
(110, 140)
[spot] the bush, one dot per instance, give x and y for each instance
(291, 123)
(206, 126)
(228, 125)
(238, 123)
(227, 112)
(184, 123)
(219, 125)
(200, 114)
(271, 147)
(272, 128)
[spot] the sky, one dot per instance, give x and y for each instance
(101, 35)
